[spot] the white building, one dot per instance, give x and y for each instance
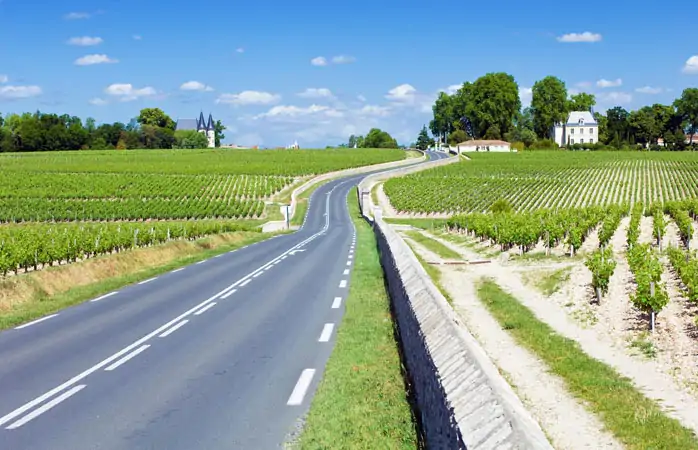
(200, 125)
(580, 128)
(482, 146)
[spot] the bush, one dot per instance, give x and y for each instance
(545, 144)
(518, 146)
(501, 206)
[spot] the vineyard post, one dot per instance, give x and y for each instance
(652, 315)
(547, 243)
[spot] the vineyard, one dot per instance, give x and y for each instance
(550, 180)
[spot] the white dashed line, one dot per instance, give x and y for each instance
(35, 322)
(104, 296)
(346, 272)
(337, 302)
(178, 270)
(205, 308)
(326, 332)
(301, 388)
(229, 293)
(348, 263)
(201, 262)
(174, 328)
(148, 280)
(245, 283)
(258, 274)
(343, 283)
(126, 358)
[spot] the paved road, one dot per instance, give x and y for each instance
(221, 354)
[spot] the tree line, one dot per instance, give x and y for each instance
(490, 108)
(375, 138)
(46, 132)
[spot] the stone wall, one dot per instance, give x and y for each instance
(462, 400)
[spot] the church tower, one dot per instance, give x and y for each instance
(211, 132)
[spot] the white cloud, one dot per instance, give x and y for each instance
(361, 98)
(587, 36)
(77, 15)
(691, 66)
(16, 92)
(319, 61)
(602, 83)
(126, 92)
(402, 93)
(343, 59)
(98, 101)
(374, 110)
(137, 37)
(452, 89)
(291, 112)
(4, 78)
(316, 93)
(649, 90)
(249, 98)
(240, 50)
(195, 86)
(85, 41)
(525, 94)
(89, 60)
(615, 98)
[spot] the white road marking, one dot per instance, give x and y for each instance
(218, 256)
(348, 263)
(284, 257)
(346, 272)
(104, 296)
(35, 322)
(351, 256)
(337, 302)
(326, 332)
(205, 308)
(229, 293)
(148, 280)
(245, 283)
(343, 283)
(128, 357)
(257, 274)
(39, 411)
(277, 262)
(301, 388)
(201, 262)
(178, 270)
(174, 328)
(268, 268)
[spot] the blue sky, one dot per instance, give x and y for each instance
(382, 62)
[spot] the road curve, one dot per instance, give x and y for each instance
(226, 353)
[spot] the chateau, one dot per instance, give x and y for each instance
(200, 125)
(580, 128)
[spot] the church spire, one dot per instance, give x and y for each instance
(211, 125)
(201, 122)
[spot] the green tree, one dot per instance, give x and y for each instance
(423, 139)
(155, 117)
(548, 104)
(355, 141)
(377, 138)
(457, 136)
(190, 139)
(687, 110)
(219, 128)
(581, 102)
(523, 129)
(603, 126)
(644, 125)
(442, 124)
(492, 103)
(618, 131)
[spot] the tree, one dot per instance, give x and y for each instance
(492, 103)
(617, 127)
(456, 137)
(548, 105)
(423, 140)
(644, 125)
(190, 139)
(377, 138)
(355, 141)
(218, 128)
(442, 124)
(603, 126)
(581, 102)
(687, 110)
(523, 129)
(155, 117)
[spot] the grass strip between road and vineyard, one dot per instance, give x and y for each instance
(132, 266)
(636, 421)
(361, 401)
(433, 245)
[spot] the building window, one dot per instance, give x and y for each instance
(581, 141)
(571, 130)
(591, 141)
(581, 131)
(591, 131)
(572, 141)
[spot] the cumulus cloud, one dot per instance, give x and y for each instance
(291, 111)
(615, 98)
(452, 89)
(316, 93)
(85, 41)
(602, 83)
(587, 36)
(77, 15)
(319, 61)
(249, 98)
(126, 92)
(343, 59)
(402, 93)
(89, 60)
(649, 90)
(691, 66)
(195, 86)
(16, 92)
(98, 101)
(4, 78)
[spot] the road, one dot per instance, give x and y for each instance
(225, 353)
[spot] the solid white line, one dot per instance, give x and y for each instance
(148, 280)
(346, 272)
(301, 388)
(174, 328)
(229, 293)
(178, 270)
(326, 332)
(126, 358)
(343, 283)
(39, 411)
(245, 283)
(337, 302)
(205, 308)
(104, 296)
(35, 322)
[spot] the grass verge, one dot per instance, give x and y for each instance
(636, 421)
(433, 245)
(361, 401)
(29, 296)
(548, 282)
(434, 274)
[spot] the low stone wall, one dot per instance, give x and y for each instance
(463, 401)
(277, 225)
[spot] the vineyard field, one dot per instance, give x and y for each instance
(547, 180)
(160, 184)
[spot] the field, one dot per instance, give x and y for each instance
(58, 207)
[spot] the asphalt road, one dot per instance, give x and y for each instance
(226, 353)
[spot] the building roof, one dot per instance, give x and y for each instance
(186, 124)
(196, 124)
(576, 116)
(484, 142)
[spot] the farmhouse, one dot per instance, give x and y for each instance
(200, 125)
(580, 128)
(482, 146)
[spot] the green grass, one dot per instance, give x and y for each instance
(425, 224)
(636, 421)
(433, 245)
(434, 274)
(548, 281)
(361, 401)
